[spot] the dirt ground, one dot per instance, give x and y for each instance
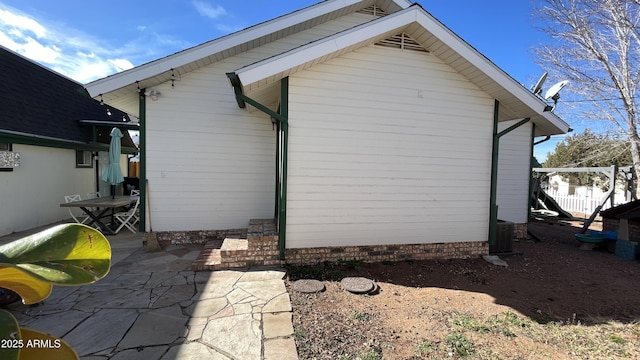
(552, 301)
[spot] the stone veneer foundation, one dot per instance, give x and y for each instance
(260, 247)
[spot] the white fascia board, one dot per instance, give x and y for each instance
(490, 69)
(307, 53)
(403, 3)
(151, 69)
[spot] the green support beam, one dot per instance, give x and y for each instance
(533, 137)
(142, 109)
(282, 215)
(493, 201)
(282, 144)
(35, 140)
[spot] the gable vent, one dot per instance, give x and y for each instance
(402, 41)
(373, 10)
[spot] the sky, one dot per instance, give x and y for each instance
(87, 40)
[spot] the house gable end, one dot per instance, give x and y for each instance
(516, 101)
(121, 89)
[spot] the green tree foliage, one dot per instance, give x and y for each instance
(588, 149)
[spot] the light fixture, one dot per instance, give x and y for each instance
(153, 94)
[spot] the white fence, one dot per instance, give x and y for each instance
(584, 204)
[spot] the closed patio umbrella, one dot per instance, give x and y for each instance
(113, 174)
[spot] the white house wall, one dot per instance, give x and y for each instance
(211, 165)
(514, 165)
(30, 196)
(387, 147)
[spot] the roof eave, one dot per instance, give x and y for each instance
(288, 62)
(194, 54)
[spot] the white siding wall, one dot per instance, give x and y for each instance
(387, 147)
(211, 165)
(30, 196)
(514, 173)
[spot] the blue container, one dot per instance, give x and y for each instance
(627, 249)
(608, 235)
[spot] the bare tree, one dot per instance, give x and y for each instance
(596, 45)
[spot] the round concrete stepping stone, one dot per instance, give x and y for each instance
(307, 286)
(358, 285)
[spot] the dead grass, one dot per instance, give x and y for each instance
(548, 304)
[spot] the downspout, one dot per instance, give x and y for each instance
(546, 138)
(493, 201)
(142, 139)
(281, 117)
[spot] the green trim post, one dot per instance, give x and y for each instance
(493, 202)
(282, 215)
(282, 144)
(142, 103)
(533, 137)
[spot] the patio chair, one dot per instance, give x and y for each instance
(128, 218)
(80, 219)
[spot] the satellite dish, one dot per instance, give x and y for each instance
(554, 91)
(554, 94)
(537, 88)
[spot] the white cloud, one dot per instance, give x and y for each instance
(209, 10)
(16, 21)
(68, 51)
(121, 64)
(38, 52)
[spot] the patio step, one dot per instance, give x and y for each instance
(232, 253)
(259, 248)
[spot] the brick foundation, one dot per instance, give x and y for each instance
(260, 247)
(378, 253)
(520, 231)
(198, 236)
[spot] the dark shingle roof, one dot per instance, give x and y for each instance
(38, 101)
(630, 210)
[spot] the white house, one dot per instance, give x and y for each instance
(360, 125)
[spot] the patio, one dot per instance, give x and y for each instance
(152, 306)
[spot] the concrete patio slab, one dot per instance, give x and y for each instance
(103, 330)
(224, 334)
(153, 306)
(156, 327)
(192, 351)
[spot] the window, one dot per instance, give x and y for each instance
(84, 159)
(8, 159)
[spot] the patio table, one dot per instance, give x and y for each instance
(103, 204)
